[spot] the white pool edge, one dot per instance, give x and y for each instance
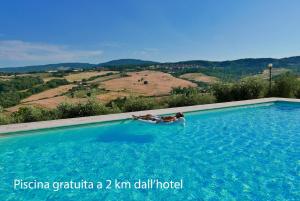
(12, 128)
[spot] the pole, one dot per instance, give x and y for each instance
(270, 78)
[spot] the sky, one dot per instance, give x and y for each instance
(52, 31)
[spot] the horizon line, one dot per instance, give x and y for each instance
(159, 62)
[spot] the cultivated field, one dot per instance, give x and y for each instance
(112, 95)
(46, 79)
(55, 101)
(50, 103)
(110, 87)
(48, 93)
(5, 78)
(147, 83)
(85, 75)
(199, 77)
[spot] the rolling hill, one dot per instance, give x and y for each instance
(248, 64)
(47, 67)
(68, 66)
(242, 66)
(127, 62)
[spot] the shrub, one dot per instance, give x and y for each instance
(223, 92)
(115, 108)
(66, 110)
(137, 104)
(58, 74)
(248, 88)
(98, 76)
(56, 82)
(188, 100)
(10, 99)
(286, 85)
(19, 83)
(123, 74)
(11, 94)
(297, 94)
(5, 119)
(30, 114)
(48, 85)
(185, 90)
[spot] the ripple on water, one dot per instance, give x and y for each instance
(240, 154)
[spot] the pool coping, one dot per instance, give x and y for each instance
(13, 128)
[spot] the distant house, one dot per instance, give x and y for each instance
(77, 70)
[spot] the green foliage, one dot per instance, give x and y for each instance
(58, 74)
(85, 91)
(248, 88)
(30, 114)
(185, 90)
(297, 93)
(231, 70)
(202, 85)
(98, 76)
(138, 103)
(115, 108)
(188, 100)
(48, 85)
(287, 86)
(5, 119)
(66, 110)
(219, 72)
(56, 82)
(223, 92)
(188, 96)
(123, 74)
(11, 98)
(130, 104)
(19, 83)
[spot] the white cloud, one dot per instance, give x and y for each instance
(21, 51)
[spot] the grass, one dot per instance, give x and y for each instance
(146, 83)
(85, 75)
(200, 77)
(105, 88)
(48, 93)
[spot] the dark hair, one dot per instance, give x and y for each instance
(179, 114)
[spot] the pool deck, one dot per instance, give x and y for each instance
(11, 128)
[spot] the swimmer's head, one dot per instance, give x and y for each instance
(179, 115)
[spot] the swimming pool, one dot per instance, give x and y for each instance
(242, 153)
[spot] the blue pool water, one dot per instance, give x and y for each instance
(245, 153)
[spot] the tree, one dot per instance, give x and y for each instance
(286, 85)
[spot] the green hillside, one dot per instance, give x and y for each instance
(229, 69)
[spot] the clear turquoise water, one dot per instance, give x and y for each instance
(245, 153)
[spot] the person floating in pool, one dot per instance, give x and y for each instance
(160, 119)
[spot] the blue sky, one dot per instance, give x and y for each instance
(52, 31)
